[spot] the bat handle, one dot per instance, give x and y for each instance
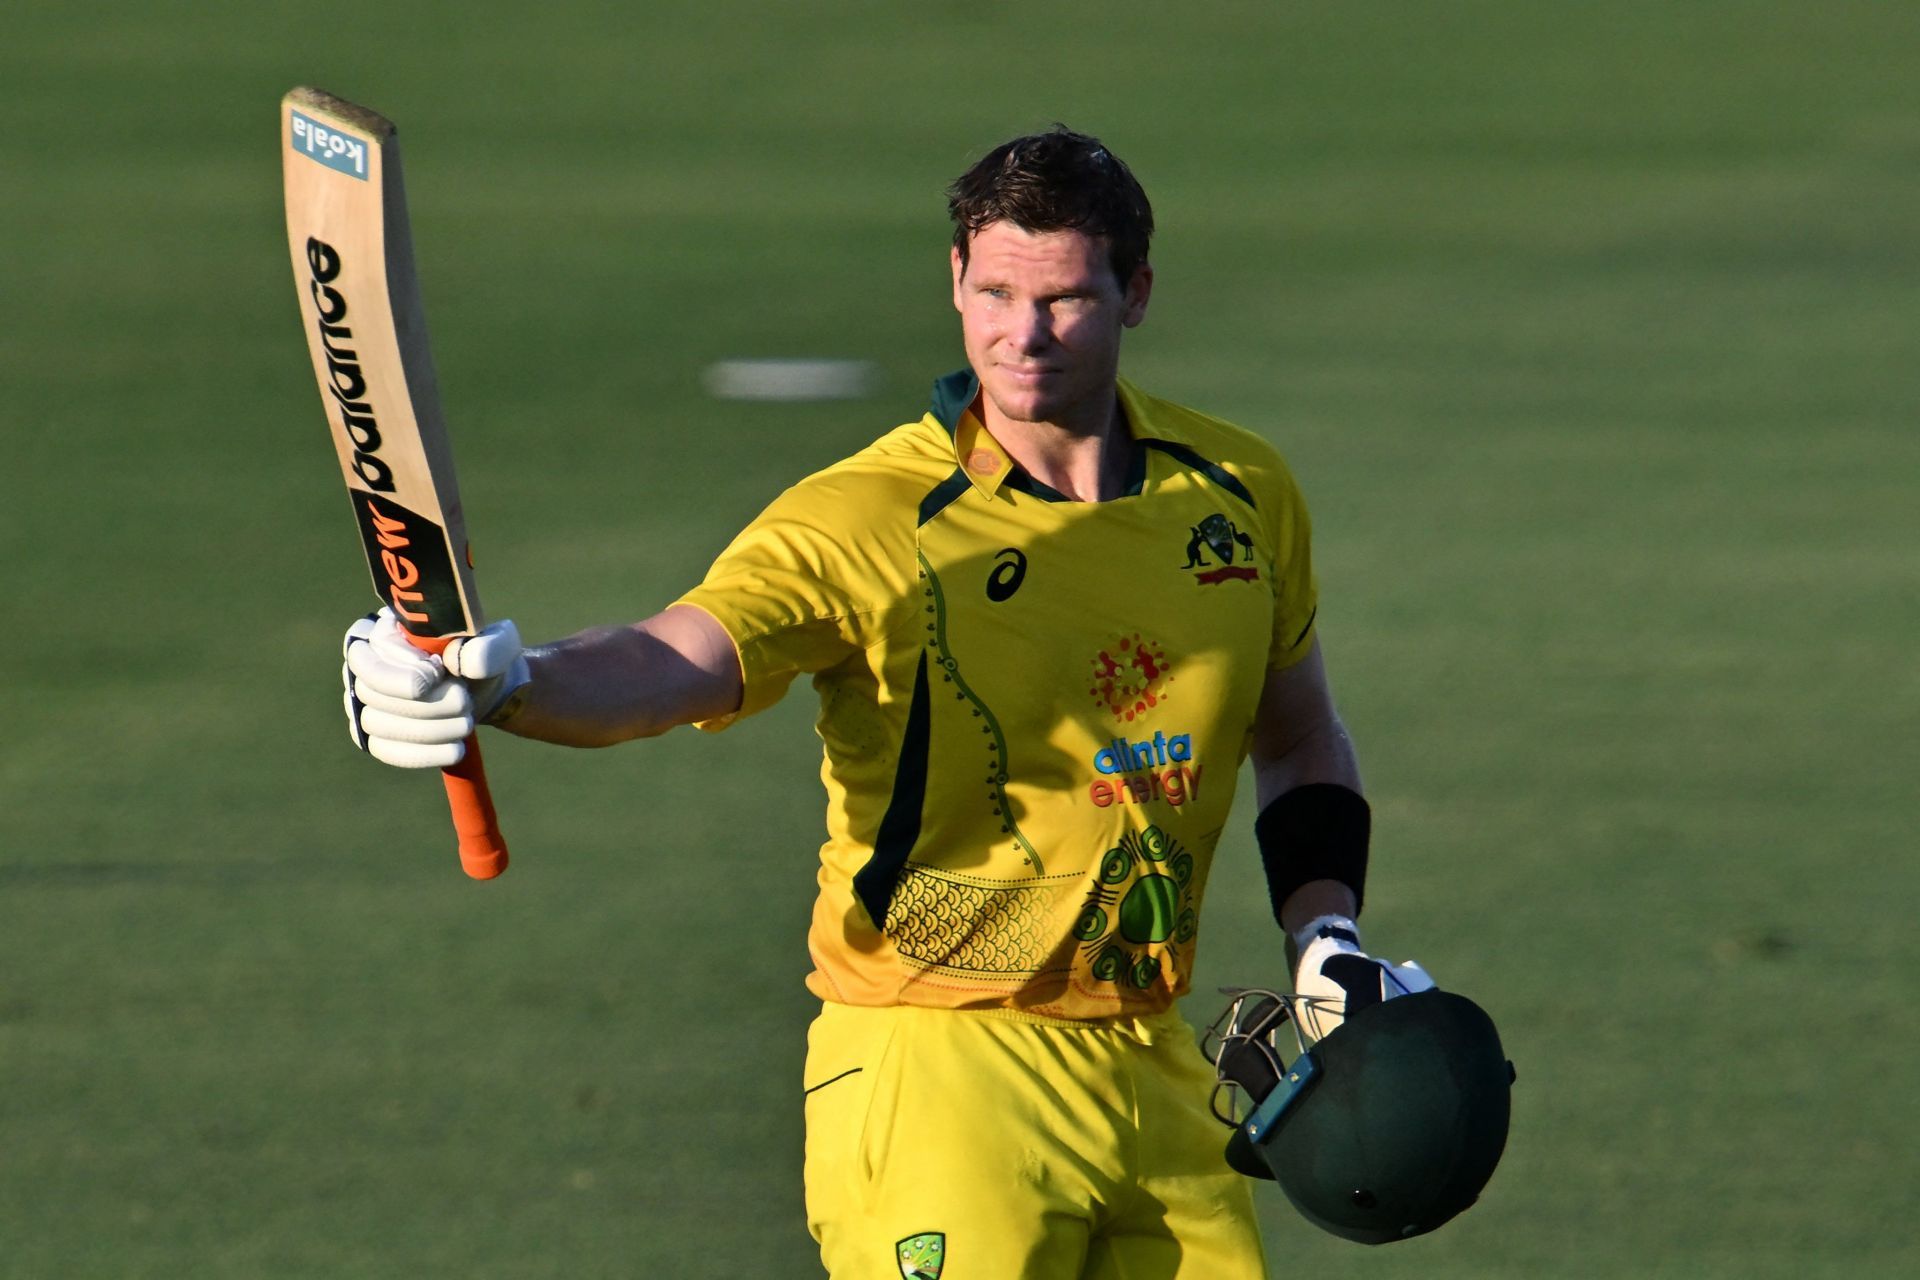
(483, 850)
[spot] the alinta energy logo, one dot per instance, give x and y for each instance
(1141, 904)
(1156, 768)
(1130, 678)
(1223, 538)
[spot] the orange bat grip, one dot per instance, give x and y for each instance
(483, 850)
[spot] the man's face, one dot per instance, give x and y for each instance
(1041, 316)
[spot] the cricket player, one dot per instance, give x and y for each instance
(1047, 621)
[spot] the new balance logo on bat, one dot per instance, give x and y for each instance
(339, 151)
(346, 382)
(413, 565)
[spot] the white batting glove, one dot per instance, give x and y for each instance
(1343, 979)
(414, 709)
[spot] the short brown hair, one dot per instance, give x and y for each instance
(1055, 181)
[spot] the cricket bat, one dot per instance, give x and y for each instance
(366, 330)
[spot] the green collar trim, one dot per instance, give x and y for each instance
(953, 395)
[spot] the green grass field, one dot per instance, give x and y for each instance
(1589, 330)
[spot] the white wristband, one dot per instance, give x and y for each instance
(1303, 936)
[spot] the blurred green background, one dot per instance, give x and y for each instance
(1589, 329)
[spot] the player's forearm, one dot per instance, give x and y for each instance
(1323, 752)
(1317, 898)
(590, 690)
(1298, 739)
(1314, 841)
(612, 684)
(1313, 827)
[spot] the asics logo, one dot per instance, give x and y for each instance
(1009, 571)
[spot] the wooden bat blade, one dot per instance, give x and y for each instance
(352, 254)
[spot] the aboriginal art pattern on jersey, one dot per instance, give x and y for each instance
(951, 921)
(996, 761)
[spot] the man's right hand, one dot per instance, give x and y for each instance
(414, 709)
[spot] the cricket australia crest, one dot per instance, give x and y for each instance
(922, 1256)
(1223, 538)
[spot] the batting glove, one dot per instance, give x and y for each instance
(1341, 979)
(414, 709)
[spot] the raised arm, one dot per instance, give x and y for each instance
(594, 689)
(614, 684)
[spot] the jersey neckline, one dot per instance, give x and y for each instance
(986, 462)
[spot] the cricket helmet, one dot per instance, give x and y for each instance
(1384, 1129)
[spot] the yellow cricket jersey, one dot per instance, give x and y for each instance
(1033, 709)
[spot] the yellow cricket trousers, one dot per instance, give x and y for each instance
(960, 1145)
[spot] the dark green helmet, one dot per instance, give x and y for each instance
(1385, 1129)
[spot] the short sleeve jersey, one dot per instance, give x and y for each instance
(1033, 709)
